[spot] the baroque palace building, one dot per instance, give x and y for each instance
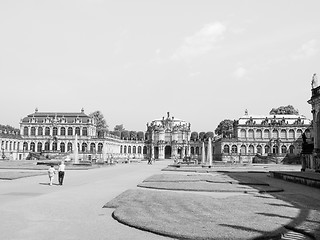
(276, 136)
(54, 134)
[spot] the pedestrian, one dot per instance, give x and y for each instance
(61, 171)
(51, 172)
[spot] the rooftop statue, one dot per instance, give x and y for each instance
(314, 81)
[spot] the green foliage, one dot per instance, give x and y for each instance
(202, 136)
(209, 134)
(119, 128)
(194, 136)
(8, 128)
(225, 127)
(100, 123)
(284, 110)
(140, 136)
(133, 135)
(125, 135)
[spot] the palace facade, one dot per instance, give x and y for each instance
(276, 136)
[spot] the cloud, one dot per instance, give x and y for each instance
(307, 49)
(240, 72)
(201, 42)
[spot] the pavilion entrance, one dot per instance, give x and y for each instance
(167, 152)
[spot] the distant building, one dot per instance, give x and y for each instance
(276, 136)
(168, 138)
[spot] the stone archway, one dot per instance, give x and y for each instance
(167, 152)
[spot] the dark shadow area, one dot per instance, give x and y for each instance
(308, 220)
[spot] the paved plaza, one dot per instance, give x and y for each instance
(31, 209)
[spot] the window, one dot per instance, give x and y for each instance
(92, 147)
(243, 133)
(251, 149)
(139, 149)
(77, 132)
(40, 131)
(197, 150)
(275, 149)
(192, 150)
(70, 131)
(275, 134)
(234, 149)
(33, 131)
(121, 149)
(259, 149)
(100, 147)
(144, 150)
(125, 149)
(250, 134)
(39, 147)
(243, 149)
(266, 133)
(84, 147)
(283, 149)
(47, 146)
(84, 131)
(62, 147)
(134, 150)
(25, 146)
(299, 133)
(47, 131)
(266, 149)
(129, 149)
(55, 131)
(54, 146)
(291, 134)
(283, 134)
(63, 131)
(25, 131)
(291, 149)
(259, 134)
(69, 147)
(226, 149)
(32, 147)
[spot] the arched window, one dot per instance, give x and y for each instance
(39, 147)
(251, 149)
(259, 149)
(55, 131)
(100, 146)
(84, 131)
(54, 146)
(125, 149)
(258, 134)
(266, 149)
(129, 149)
(32, 147)
(84, 147)
(299, 133)
(197, 150)
(243, 133)
(250, 134)
(283, 149)
(62, 147)
(266, 133)
(192, 150)
(121, 149)
(77, 131)
(92, 147)
(291, 149)
(226, 149)
(62, 131)
(40, 131)
(275, 134)
(69, 147)
(139, 149)
(291, 134)
(70, 131)
(234, 149)
(283, 134)
(47, 131)
(47, 146)
(275, 149)
(134, 149)
(243, 149)
(25, 131)
(144, 150)
(33, 131)
(25, 146)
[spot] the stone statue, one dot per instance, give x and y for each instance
(314, 81)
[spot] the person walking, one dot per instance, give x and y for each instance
(51, 172)
(61, 171)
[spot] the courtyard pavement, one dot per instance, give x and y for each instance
(31, 209)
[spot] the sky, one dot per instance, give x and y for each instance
(135, 60)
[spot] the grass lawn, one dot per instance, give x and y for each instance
(16, 175)
(194, 216)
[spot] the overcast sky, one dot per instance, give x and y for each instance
(134, 60)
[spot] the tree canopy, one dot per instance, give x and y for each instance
(224, 128)
(119, 128)
(284, 110)
(100, 123)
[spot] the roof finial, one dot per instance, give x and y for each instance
(246, 112)
(168, 113)
(36, 110)
(314, 81)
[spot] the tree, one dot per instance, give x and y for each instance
(100, 122)
(202, 135)
(284, 110)
(209, 134)
(140, 136)
(125, 135)
(224, 128)
(119, 128)
(194, 136)
(133, 135)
